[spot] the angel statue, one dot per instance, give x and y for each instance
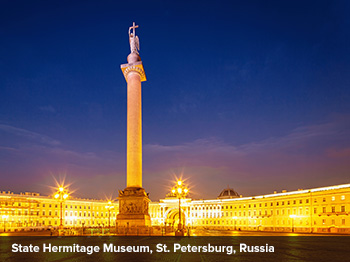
(134, 40)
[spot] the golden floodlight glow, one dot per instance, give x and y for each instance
(61, 188)
(57, 195)
(180, 191)
(292, 216)
(109, 205)
(65, 196)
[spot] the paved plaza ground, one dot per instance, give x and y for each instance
(194, 232)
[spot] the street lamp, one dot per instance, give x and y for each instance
(5, 217)
(292, 217)
(61, 195)
(180, 191)
(109, 206)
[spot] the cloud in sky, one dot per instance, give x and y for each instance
(34, 159)
(308, 156)
(35, 137)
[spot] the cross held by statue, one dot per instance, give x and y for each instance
(133, 28)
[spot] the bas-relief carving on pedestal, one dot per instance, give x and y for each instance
(133, 207)
(133, 201)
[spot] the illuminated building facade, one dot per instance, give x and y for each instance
(32, 211)
(321, 210)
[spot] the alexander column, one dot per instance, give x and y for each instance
(133, 201)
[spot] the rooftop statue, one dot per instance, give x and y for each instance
(133, 39)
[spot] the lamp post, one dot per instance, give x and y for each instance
(180, 191)
(5, 217)
(61, 195)
(109, 206)
(292, 217)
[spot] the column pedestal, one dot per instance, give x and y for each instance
(133, 208)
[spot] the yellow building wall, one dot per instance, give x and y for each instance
(321, 210)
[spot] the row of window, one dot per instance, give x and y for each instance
(71, 206)
(278, 203)
(85, 214)
(77, 222)
(37, 213)
(271, 222)
(333, 209)
(278, 212)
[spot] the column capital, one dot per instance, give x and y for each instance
(136, 67)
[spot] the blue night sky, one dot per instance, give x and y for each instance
(250, 94)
